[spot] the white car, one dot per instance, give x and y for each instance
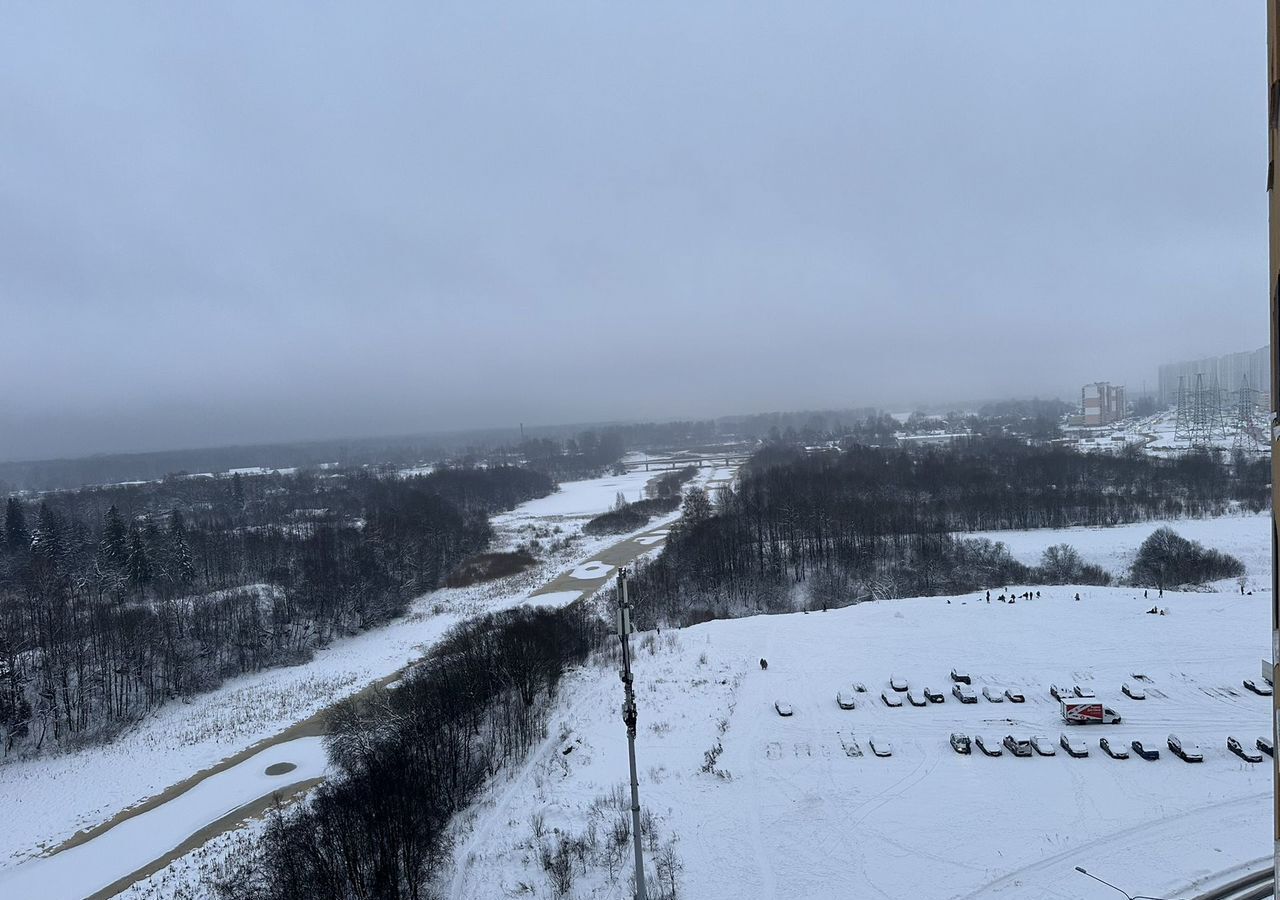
(1084, 693)
(783, 707)
(1043, 746)
(916, 699)
(890, 699)
(880, 747)
(898, 684)
(859, 687)
(1014, 696)
(1132, 692)
(989, 745)
(844, 699)
(993, 695)
(1185, 750)
(1075, 747)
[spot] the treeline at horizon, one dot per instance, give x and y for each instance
(113, 602)
(813, 530)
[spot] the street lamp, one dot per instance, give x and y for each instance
(1082, 871)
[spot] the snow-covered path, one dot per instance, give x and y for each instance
(87, 868)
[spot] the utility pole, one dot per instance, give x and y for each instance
(629, 716)
(1273, 286)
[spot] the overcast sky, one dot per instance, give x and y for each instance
(241, 222)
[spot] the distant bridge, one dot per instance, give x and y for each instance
(679, 462)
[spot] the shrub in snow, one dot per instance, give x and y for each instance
(1167, 559)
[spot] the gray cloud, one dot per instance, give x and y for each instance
(260, 222)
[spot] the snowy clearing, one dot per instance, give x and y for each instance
(794, 812)
(1246, 537)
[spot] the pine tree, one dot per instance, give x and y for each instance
(113, 551)
(138, 567)
(15, 526)
(182, 570)
(47, 541)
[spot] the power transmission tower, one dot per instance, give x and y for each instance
(1203, 414)
(1182, 427)
(1248, 423)
(629, 716)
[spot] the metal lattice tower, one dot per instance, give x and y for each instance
(1204, 423)
(1250, 436)
(1182, 429)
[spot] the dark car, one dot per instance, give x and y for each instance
(1017, 746)
(1234, 745)
(1113, 752)
(1264, 744)
(961, 743)
(1147, 753)
(1185, 750)
(1263, 689)
(934, 696)
(1058, 693)
(964, 693)
(959, 676)
(1014, 696)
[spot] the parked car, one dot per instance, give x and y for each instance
(993, 695)
(964, 693)
(890, 699)
(1014, 696)
(881, 747)
(1075, 747)
(1058, 693)
(1043, 746)
(898, 684)
(859, 687)
(960, 676)
(1017, 746)
(1263, 689)
(783, 707)
(1083, 692)
(1133, 693)
(916, 699)
(1264, 744)
(1115, 752)
(934, 696)
(1147, 753)
(988, 746)
(961, 743)
(1185, 750)
(844, 699)
(1234, 745)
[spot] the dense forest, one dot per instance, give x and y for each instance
(822, 529)
(114, 601)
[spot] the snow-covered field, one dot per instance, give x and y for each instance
(791, 810)
(1246, 537)
(48, 800)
